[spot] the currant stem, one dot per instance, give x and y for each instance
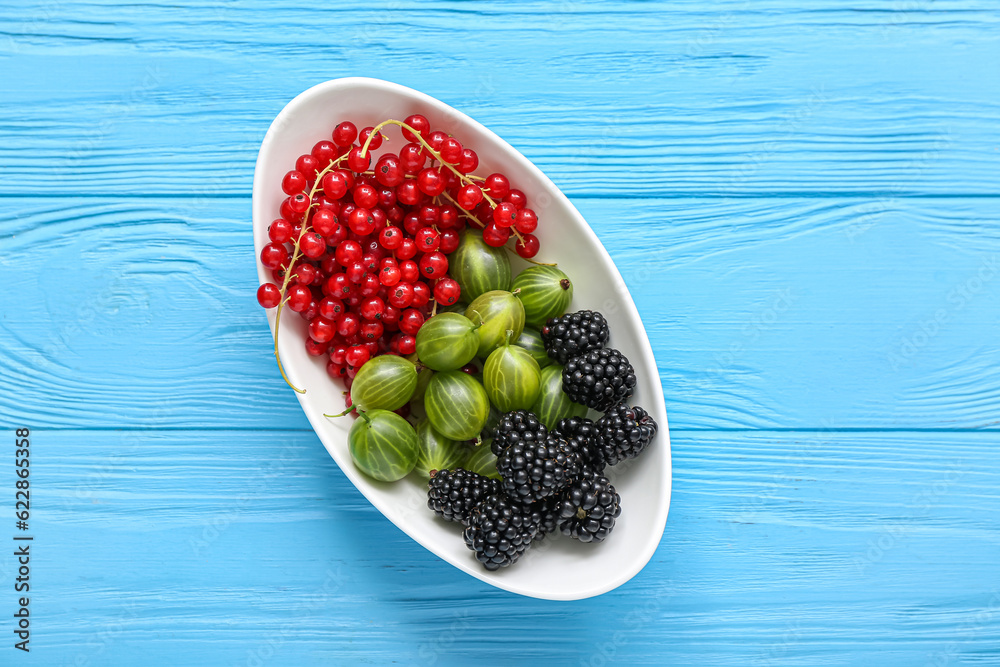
(342, 414)
(464, 178)
(296, 254)
(531, 261)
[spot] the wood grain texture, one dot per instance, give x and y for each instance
(764, 313)
(729, 98)
(801, 200)
(822, 549)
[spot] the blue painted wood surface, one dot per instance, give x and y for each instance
(820, 186)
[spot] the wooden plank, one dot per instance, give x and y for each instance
(782, 548)
(763, 313)
(653, 99)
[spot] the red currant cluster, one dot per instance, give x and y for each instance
(360, 252)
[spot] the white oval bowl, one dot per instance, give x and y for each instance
(557, 568)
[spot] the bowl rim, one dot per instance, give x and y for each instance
(647, 361)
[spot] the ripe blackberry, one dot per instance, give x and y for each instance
(531, 471)
(517, 426)
(453, 494)
(589, 508)
(573, 334)
(581, 434)
(499, 532)
(543, 514)
(599, 379)
(624, 432)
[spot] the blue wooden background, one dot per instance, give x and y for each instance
(802, 198)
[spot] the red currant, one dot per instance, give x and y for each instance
(451, 150)
(361, 221)
(394, 214)
(338, 234)
(358, 162)
(433, 265)
(407, 344)
(421, 294)
(293, 182)
(469, 196)
(427, 239)
(409, 271)
(429, 214)
(355, 272)
(312, 245)
(370, 284)
(410, 321)
(324, 221)
(335, 184)
(526, 221)
(436, 140)
(325, 152)
(338, 285)
(365, 196)
(330, 307)
(469, 161)
(447, 291)
(390, 317)
(527, 246)
(407, 249)
(336, 371)
(448, 217)
(412, 223)
(450, 240)
(390, 238)
(431, 182)
(299, 298)
(348, 324)
(408, 192)
(419, 123)
(316, 349)
(357, 356)
(310, 311)
(401, 295)
(268, 295)
(345, 134)
(412, 158)
(367, 132)
(371, 330)
(273, 255)
(388, 171)
(390, 275)
(308, 166)
(496, 236)
(280, 231)
(299, 203)
(498, 185)
(517, 198)
(504, 214)
(348, 252)
(322, 330)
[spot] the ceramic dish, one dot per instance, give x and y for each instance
(557, 568)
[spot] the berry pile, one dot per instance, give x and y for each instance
(360, 248)
(552, 479)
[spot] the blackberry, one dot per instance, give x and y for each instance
(624, 432)
(499, 532)
(543, 514)
(589, 508)
(581, 434)
(517, 426)
(453, 494)
(599, 379)
(573, 334)
(531, 471)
